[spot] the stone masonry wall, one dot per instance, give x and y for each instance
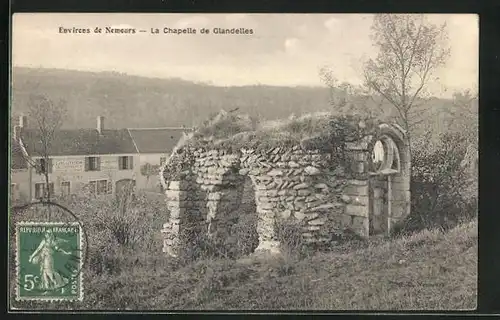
(326, 193)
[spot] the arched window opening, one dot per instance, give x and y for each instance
(385, 156)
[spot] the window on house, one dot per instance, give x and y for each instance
(125, 163)
(92, 164)
(40, 190)
(65, 188)
(44, 166)
(100, 187)
(163, 160)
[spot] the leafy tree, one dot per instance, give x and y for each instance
(411, 49)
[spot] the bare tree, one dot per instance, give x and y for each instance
(410, 50)
(345, 97)
(47, 117)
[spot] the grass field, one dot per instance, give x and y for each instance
(431, 270)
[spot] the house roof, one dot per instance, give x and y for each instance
(80, 142)
(17, 160)
(156, 140)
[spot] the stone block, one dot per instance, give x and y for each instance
(266, 205)
(199, 179)
(361, 145)
(312, 228)
(244, 171)
(283, 192)
(358, 167)
(269, 193)
(299, 215)
(362, 200)
(174, 185)
(313, 206)
(324, 207)
(293, 164)
(299, 205)
(175, 195)
(285, 214)
(357, 182)
(275, 172)
(311, 198)
(354, 210)
(310, 170)
(321, 186)
(214, 196)
(318, 222)
(359, 156)
(301, 186)
(304, 192)
(345, 198)
(355, 190)
(378, 193)
(311, 215)
(268, 199)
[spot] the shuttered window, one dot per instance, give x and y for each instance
(40, 190)
(43, 166)
(92, 164)
(125, 163)
(100, 187)
(65, 188)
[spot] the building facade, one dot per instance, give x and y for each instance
(100, 161)
(154, 146)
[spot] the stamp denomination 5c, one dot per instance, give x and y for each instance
(49, 261)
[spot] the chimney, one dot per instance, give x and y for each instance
(23, 121)
(100, 124)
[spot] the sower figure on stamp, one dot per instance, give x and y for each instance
(44, 256)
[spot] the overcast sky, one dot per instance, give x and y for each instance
(284, 49)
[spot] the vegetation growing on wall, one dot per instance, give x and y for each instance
(231, 132)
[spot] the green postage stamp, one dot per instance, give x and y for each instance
(49, 261)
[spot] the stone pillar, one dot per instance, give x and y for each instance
(266, 200)
(178, 205)
(356, 192)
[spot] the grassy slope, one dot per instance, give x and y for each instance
(431, 270)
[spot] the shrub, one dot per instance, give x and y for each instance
(440, 185)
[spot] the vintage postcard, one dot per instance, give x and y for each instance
(244, 161)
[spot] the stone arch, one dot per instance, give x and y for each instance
(294, 183)
(389, 184)
(244, 218)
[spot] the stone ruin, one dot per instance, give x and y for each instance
(367, 193)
